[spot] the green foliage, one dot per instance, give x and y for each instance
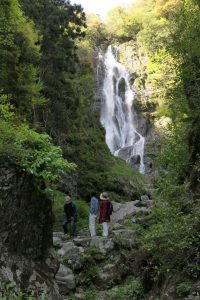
(6, 108)
(89, 294)
(91, 255)
(33, 152)
(18, 56)
(92, 156)
(120, 176)
(183, 289)
(172, 220)
(122, 24)
(132, 291)
(169, 32)
(62, 259)
(173, 162)
(89, 275)
(96, 32)
(41, 75)
(170, 230)
(7, 292)
(83, 215)
(39, 65)
(60, 25)
(173, 72)
(85, 145)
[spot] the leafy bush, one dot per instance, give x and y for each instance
(33, 152)
(131, 291)
(123, 182)
(7, 292)
(183, 289)
(91, 295)
(89, 275)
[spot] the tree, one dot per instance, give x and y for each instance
(60, 25)
(18, 58)
(123, 24)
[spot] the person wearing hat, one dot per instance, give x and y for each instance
(104, 217)
(70, 211)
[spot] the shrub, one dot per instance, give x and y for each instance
(34, 153)
(130, 291)
(7, 292)
(183, 289)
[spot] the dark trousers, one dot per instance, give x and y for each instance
(71, 223)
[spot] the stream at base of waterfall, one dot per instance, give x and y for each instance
(117, 113)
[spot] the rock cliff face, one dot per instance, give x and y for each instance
(26, 259)
(135, 60)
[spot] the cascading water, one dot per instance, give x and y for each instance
(117, 115)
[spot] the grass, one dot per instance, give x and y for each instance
(124, 182)
(132, 291)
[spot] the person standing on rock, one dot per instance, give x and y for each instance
(70, 211)
(104, 217)
(94, 210)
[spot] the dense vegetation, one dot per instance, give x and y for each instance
(47, 96)
(168, 33)
(20, 93)
(48, 124)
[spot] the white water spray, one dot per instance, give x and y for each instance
(117, 115)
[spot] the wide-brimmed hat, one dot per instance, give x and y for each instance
(67, 199)
(104, 196)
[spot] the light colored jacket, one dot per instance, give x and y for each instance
(94, 206)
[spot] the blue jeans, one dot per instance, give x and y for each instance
(71, 226)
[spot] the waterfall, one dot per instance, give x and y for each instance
(117, 113)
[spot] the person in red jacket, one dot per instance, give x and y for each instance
(104, 217)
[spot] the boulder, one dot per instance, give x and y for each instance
(125, 237)
(109, 274)
(120, 210)
(116, 226)
(144, 198)
(57, 243)
(58, 234)
(145, 204)
(73, 254)
(65, 279)
(83, 242)
(125, 233)
(24, 274)
(105, 245)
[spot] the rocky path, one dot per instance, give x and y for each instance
(129, 208)
(98, 263)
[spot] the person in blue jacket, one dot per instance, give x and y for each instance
(94, 210)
